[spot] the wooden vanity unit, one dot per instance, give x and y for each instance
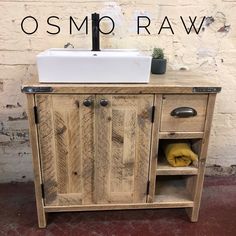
(97, 146)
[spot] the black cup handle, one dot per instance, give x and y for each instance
(184, 112)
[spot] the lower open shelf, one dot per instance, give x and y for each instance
(173, 190)
(164, 168)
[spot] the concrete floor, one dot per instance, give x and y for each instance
(217, 215)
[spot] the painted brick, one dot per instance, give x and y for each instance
(211, 52)
(1, 85)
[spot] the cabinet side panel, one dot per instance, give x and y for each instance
(36, 162)
(47, 149)
(198, 181)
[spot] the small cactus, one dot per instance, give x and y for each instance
(158, 53)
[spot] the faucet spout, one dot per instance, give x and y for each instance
(95, 32)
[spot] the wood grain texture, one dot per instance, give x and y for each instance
(102, 150)
(180, 135)
(61, 149)
(122, 148)
(171, 82)
(100, 158)
(143, 145)
(122, 206)
(164, 168)
(154, 148)
(194, 124)
(198, 181)
(36, 162)
(47, 148)
(67, 153)
(87, 140)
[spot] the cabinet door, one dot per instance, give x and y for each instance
(66, 143)
(122, 143)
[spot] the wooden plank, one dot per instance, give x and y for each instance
(122, 148)
(194, 124)
(103, 127)
(122, 206)
(118, 89)
(74, 147)
(47, 148)
(36, 162)
(180, 135)
(70, 199)
(61, 148)
(144, 106)
(86, 135)
(154, 148)
(171, 82)
(117, 150)
(198, 181)
(130, 144)
(67, 144)
(163, 168)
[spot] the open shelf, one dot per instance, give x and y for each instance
(164, 168)
(173, 190)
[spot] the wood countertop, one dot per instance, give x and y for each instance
(171, 82)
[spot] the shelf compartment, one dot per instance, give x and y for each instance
(174, 190)
(164, 168)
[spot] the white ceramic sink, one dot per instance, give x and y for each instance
(84, 66)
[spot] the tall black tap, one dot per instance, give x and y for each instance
(95, 32)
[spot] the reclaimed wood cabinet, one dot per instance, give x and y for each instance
(97, 146)
(94, 148)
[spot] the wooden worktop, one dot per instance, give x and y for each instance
(171, 82)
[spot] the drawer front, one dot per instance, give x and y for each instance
(183, 113)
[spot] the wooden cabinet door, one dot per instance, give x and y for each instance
(66, 144)
(122, 148)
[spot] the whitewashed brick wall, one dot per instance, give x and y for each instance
(211, 51)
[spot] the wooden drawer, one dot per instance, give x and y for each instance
(177, 121)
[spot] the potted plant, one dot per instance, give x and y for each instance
(158, 62)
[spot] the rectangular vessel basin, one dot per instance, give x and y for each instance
(84, 66)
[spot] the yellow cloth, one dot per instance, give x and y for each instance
(179, 154)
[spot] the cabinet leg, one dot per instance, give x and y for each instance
(42, 219)
(193, 213)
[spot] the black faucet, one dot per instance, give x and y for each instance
(95, 32)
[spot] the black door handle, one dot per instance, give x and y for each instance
(103, 102)
(183, 112)
(87, 102)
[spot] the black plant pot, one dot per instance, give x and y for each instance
(158, 66)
